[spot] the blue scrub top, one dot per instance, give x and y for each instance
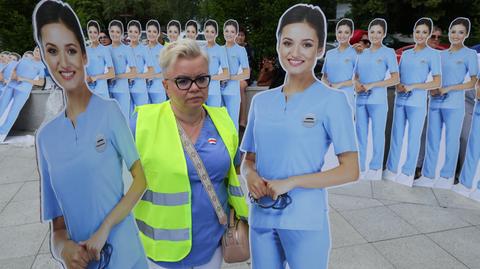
(455, 66)
(291, 138)
(237, 58)
(122, 56)
(372, 67)
(217, 59)
(8, 70)
(81, 173)
(99, 58)
(142, 59)
(340, 66)
(415, 66)
(154, 54)
(206, 230)
(28, 68)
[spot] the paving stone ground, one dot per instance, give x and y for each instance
(374, 224)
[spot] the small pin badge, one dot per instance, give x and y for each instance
(309, 120)
(100, 143)
(212, 141)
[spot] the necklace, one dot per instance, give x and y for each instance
(193, 129)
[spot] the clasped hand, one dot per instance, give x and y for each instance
(260, 187)
(79, 255)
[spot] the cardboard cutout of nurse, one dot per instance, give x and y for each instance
(377, 69)
(338, 72)
(469, 185)
(420, 72)
(289, 131)
(23, 75)
(81, 153)
(447, 109)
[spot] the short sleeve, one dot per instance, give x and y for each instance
(244, 58)
(248, 141)
(339, 124)
(392, 64)
(472, 64)
(435, 63)
(50, 208)
(108, 58)
(122, 138)
(223, 57)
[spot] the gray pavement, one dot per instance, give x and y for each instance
(374, 224)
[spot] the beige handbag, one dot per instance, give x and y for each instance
(235, 241)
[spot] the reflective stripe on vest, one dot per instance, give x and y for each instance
(166, 199)
(163, 234)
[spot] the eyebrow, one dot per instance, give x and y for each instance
(306, 39)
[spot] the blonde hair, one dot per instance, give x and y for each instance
(181, 49)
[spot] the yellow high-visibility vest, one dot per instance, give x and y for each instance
(164, 214)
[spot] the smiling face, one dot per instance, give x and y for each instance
(298, 48)
(186, 68)
(93, 33)
(421, 34)
(376, 33)
(191, 32)
(210, 33)
(152, 33)
(229, 33)
(115, 33)
(457, 34)
(172, 33)
(133, 33)
(343, 34)
(63, 55)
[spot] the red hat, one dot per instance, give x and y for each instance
(357, 36)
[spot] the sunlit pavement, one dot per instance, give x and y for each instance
(374, 224)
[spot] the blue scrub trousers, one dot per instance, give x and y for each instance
(215, 100)
(100, 87)
(472, 155)
(453, 120)
(214, 94)
(5, 98)
(120, 92)
(156, 92)
(139, 93)
(377, 113)
(232, 102)
(273, 248)
(415, 116)
(20, 97)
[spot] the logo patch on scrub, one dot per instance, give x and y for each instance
(100, 143)
(379, 60)
(212, 141)
(309, 120)
(459, 62)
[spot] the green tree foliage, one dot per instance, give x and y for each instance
(16, 25)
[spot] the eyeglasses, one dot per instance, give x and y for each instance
(282, 202)
(436, 36)
(105, 255)
(102, 37)
(185, 83)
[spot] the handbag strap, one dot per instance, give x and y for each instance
(202, 173)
